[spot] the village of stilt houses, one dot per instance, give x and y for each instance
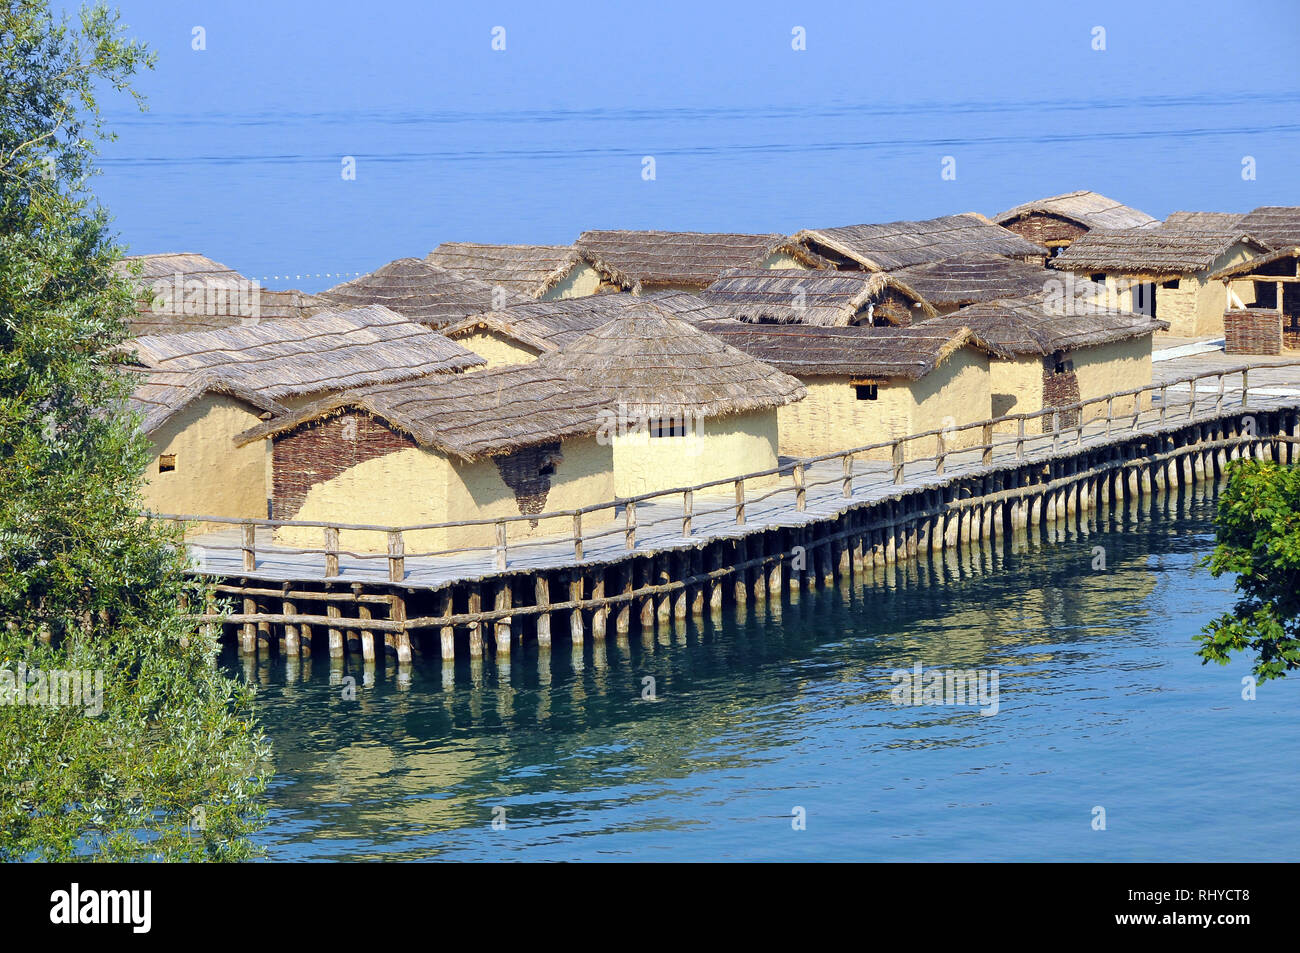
(497, 444)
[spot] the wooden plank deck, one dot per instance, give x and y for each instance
(659, 523)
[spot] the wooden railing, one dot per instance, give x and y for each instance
(1058, 433)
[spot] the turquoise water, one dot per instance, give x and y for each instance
(1101, 703)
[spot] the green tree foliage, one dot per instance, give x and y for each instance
(172, 766)
(1258, 531)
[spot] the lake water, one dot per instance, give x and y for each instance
(1101, 704)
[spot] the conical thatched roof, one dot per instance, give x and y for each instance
(1162, 251)
(550, 325)
(860, 351)
(469, 416)
(1221, 221)
(636, 260)
(1042, 324)
(422, 291)
(184, 291)
(331, 350)
(1274, 225)
(529, 270)
(966, 279)
(160, 395)
(650, 361)
(1089, 209)
(824, 298)
(893, 245)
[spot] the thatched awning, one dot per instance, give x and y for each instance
(1043, 325)
(650, 361)
(1088, 209)
(894, 245)
(332, 350)
(422, 291)
(1257, 266)
(550, 325)
(469, 416)
(861, 351)
(159, 395)
(1274, 225)
(966, 279)
(636, 260)
(823, 298)
(529, 270)
(1164, 251)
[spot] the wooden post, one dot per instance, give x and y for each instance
(800, 494)
(446, 634)
(396, 556)
(397, 613)
(1191, 404)
(249, 546)
(504, 600)
(248, 632)
(501, 545)
(1056, 429)
(740, 502)
(1110, 412)
(331, 551)
(940, 452)
(623, 618)
(1245, 384)
(475, 626)
(600, 614)
(846, 487)
(335, 633)
(542, 597)
(1218, 400)
(367, 635)
(647, 611)
(688, 511)
(629, 513)
(1164, 402)
(290, 628)
(986, 438)
(576, 628)
(897, 456)
(577, 535)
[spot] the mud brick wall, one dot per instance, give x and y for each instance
(320, 450)
(1059, 390)
(1252, 331)
(1047, 229)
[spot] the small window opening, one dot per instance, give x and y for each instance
(1098, 278)
(547, 469)
(166, 463)
(1171, 283)
(1064, 367)
(668, 428)
(867, 391)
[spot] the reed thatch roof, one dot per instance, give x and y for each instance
(331, 350)
(1042, 324)
(529, 270)
(422, 291)
(893, 245)
(1089, 209)
(823, 298)
(636, 260)
(159, 395)
(860, 351)
(1224, 221)
(550, 325)
(966, 279)
(469, 416)
(182, 291)
(1162, 251)
(1263, 266)
(650, 361)
(1274, 225)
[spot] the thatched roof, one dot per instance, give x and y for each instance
(824, 298)
(530, 270)
(966, 279)
(1161, 251)
(422, 291)
(636, 260)
(469, 416)
(331, 350)
(650, 361)
(894, 245)
(550, 325)
(860, 351)
(1089, 209)
(159, 395)
(1042, 325)
(1225, 221)
(184, 291)
(1262, 266)
(1274, 225)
